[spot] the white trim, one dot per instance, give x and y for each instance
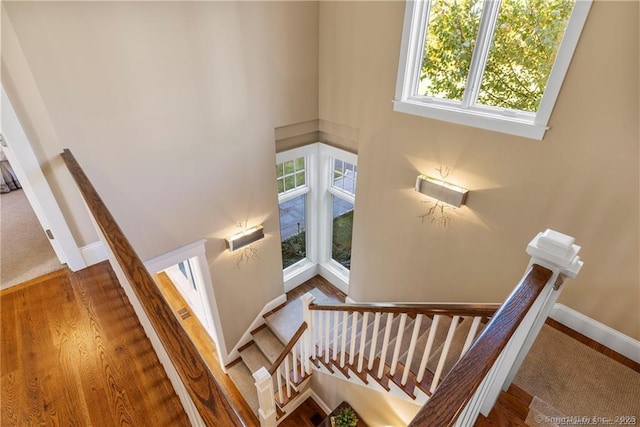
(175, 256)
(212, 321)
(319, 401)
(334, 277)
(94, 253)
(258, 321)
(36, 188)
(597, 331)
(514, 122)
(298, 273)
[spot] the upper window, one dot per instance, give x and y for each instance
(492, 64)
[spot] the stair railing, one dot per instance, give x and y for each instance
(289, 365)
(486, 365)
(347, 336)
(200, 394)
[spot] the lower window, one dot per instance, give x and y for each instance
(293, 230)
(342, 231)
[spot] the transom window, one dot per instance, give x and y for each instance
(494, 64)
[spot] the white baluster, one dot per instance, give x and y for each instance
(396, 350)
(354, 332)
(319, 328)
(279, 380)
(445, 351)
(412, 349)
(308, 343)
(471, 335)
(363, 341)
(327, 333)
(294, 358)
(335, 335)
(385, 345)
(374, 340)
(427, 347)
(287, 377)
(343, 347)
(267, 408)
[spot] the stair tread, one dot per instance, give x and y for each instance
(425, 324)
(244, 381)
(268, 343)
(254, 358)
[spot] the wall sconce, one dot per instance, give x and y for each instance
(245, 238)
(441, 190)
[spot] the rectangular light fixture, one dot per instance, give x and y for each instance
(441, 190)
(245, 238)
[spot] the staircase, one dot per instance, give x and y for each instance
(451, 359)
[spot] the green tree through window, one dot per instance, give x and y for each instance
(518, 64)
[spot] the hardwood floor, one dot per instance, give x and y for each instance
(74, 353)
(306, 415)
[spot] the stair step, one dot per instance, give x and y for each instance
(244, 381)
(268, 343)
(410, 386)
(254, 358)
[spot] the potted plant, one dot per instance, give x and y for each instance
(345, 418)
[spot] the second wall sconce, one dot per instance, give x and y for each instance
(245, 238)
(441, 190)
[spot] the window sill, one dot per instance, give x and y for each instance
(298, 273)
(478, 119)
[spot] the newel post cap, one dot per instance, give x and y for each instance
(556, 251)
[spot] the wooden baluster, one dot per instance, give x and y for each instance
(385, 345)
(354, 332)
(343, 347)
(363, 341)
(374, 340)
(412, 348)
(396, 350)
(427, 347)
(445, 351)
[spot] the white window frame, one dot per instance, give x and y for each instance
(305, 268)
(319, 218)
(332, 270)
(514, 122)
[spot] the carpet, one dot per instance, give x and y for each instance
(578, 381)
(25, 251)
(285, 322)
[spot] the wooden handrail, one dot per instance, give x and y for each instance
(212, 404)
(288, 348)
(453, 309)
(459, 386)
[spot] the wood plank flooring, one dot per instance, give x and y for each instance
(74, 353)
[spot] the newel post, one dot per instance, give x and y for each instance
(309, 347)
(558, 253)
(264, 385)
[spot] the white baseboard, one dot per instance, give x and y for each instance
(258, 321)
(94, 253)
(319, 401)
(597, 331)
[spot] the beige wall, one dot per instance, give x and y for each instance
(582, 179)
(171, 109)
(377, 409)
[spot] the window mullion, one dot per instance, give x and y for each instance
(486, 29)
